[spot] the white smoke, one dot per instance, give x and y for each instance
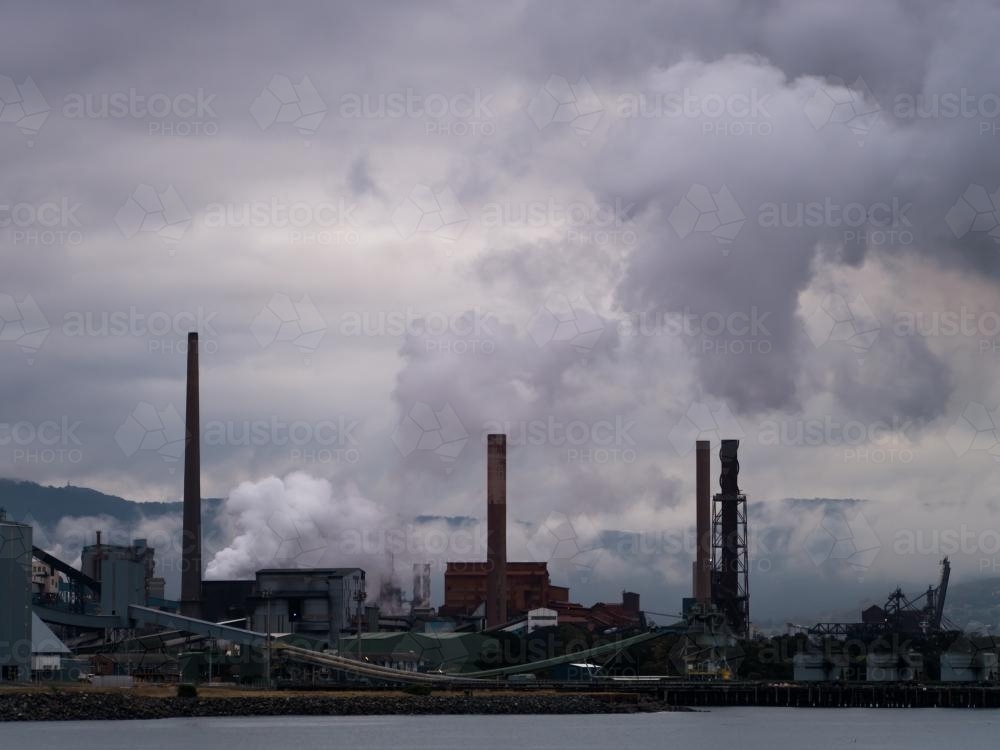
(298, 521)
(303, 521)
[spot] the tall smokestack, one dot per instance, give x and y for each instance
(703, 522)
(496, 529)
(732, 565)
(729, 491)
(191, 535)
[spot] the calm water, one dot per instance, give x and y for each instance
(751, 729)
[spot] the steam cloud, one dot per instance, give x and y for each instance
(298, 521)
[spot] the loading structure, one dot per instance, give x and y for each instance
(921, 615)
(924, 613)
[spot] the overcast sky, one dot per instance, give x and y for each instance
(605, 229)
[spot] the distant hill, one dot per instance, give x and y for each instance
(47, 505)
(974, 601)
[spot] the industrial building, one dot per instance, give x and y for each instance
(528, 587)
(496, 589)
(44, 580)
(322, 603)
(47, 650)
(114, 612)
(970, 666)
(117, 597)
(15, 596)
(225, 601)
(118, 566)
(533, 620)
(819, 667)
(503, 593)
(604, 616)
(921, 616)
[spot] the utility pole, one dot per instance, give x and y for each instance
(359, 597)
(266, 593)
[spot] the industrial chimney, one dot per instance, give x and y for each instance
(191, 535)
(496, 529)
(703, 523)
(731, 566)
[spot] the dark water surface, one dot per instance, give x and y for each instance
(746, 728)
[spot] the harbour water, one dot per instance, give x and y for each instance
(750, 728)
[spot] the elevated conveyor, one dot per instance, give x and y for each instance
(374, 671)
(135, 614)
(63, 616)
(204, 628)
(604, 650)
(66, 569)
(471, 679)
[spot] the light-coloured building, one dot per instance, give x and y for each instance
(819, 667)
(542, 618)
(44, 580)
(47, 651)
(532, 621)
(969, 666)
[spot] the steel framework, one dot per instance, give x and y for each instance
(730, 553)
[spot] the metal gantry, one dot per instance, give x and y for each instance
(730, 561)
(730, 554)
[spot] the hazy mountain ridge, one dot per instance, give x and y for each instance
(975, 601)
(48, 505)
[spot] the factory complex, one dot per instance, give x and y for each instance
(109, 622)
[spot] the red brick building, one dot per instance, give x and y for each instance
(603, 615)
(528, 587)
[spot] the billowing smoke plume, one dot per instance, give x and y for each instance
(304, 522)
(298, 521)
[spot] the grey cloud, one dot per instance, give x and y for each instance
(784, 50)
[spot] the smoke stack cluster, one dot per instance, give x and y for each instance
(496, 529)
(421, 586)
(191, 535)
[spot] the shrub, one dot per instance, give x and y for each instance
(187, 690)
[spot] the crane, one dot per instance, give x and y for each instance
(940, 594)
